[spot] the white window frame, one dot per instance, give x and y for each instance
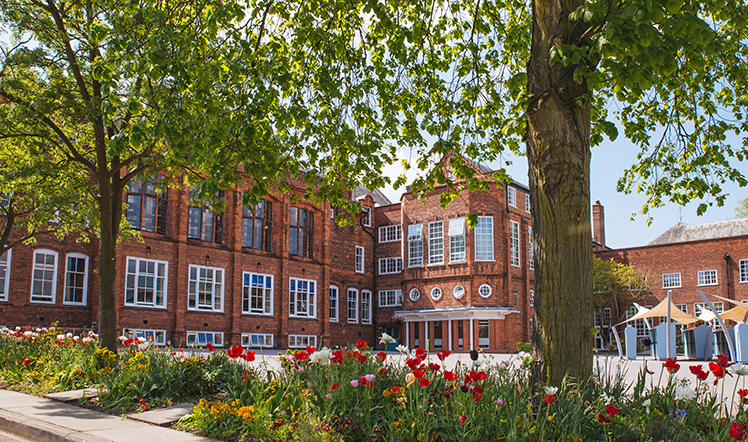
(390, 265)
(85, 279)
(511, 196)
(46, 268)
(216, 290)
(484, 343)
(699, 307)
(390, 298)
(249, 288)
(484, 239)
(457, 244)
(302, 341)
(164, 280)
(359, 259)
(159, 336)
(530, 250)
(296, 301)
(682, 307)
(436, 242)
(531, 298)
(486, 286)
(706, 277)
(514, 243)
(641, 329)
(260, 340)
(390, 233)
(671, 280)
(527, 202)
(743, 265)
(193, 338)
(436, 293)
(414, 294)
(415, 245)
(5, 272)
(334, 304)
(458, 291)
(366, 305)
(352, 305)
(366, 216)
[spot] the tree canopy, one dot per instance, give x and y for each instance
(741, 208)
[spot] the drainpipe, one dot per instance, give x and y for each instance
(374, 275)
(727, 273)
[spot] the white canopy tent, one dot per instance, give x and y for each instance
(666, 309)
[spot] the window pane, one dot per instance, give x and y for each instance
(149, 214)
(133, 210)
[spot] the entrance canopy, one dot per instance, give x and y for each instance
(454, 313)
(660, 310)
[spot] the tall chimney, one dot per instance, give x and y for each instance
(598, 223)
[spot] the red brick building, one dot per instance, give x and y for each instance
(711, 257)
(284, 274)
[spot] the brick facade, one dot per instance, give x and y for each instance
(191, 284)
(718, 257)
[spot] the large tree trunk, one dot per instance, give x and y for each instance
(558, 153)
(107, 279)
(110, 215)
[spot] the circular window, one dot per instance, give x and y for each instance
(414, 295)
(458, 291)
(484, 290)
(436, 293)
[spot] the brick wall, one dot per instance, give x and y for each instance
(332, 264)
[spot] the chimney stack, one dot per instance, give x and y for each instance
(598, 223)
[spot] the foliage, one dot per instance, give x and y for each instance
(355, 394)
(45, 360)
(150, 375)
(39, 196)
(741, 209)
(614, 283)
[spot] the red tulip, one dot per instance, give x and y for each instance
(612, 411)
(671, 365)
(549, 399)
(424, 382)
(736, 431)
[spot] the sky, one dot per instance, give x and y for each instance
(608, 163)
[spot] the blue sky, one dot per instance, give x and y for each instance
(608, 163)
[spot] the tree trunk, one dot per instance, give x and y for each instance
(107, 277)
(110, 215)
(558, 151)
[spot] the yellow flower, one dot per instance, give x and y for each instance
(246, 412)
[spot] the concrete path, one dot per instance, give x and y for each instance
(44, 420)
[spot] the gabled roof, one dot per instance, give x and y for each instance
(682, 232)
(479, 167)
(379, 198)
(487, 170)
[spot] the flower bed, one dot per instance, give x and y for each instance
(356, 394)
